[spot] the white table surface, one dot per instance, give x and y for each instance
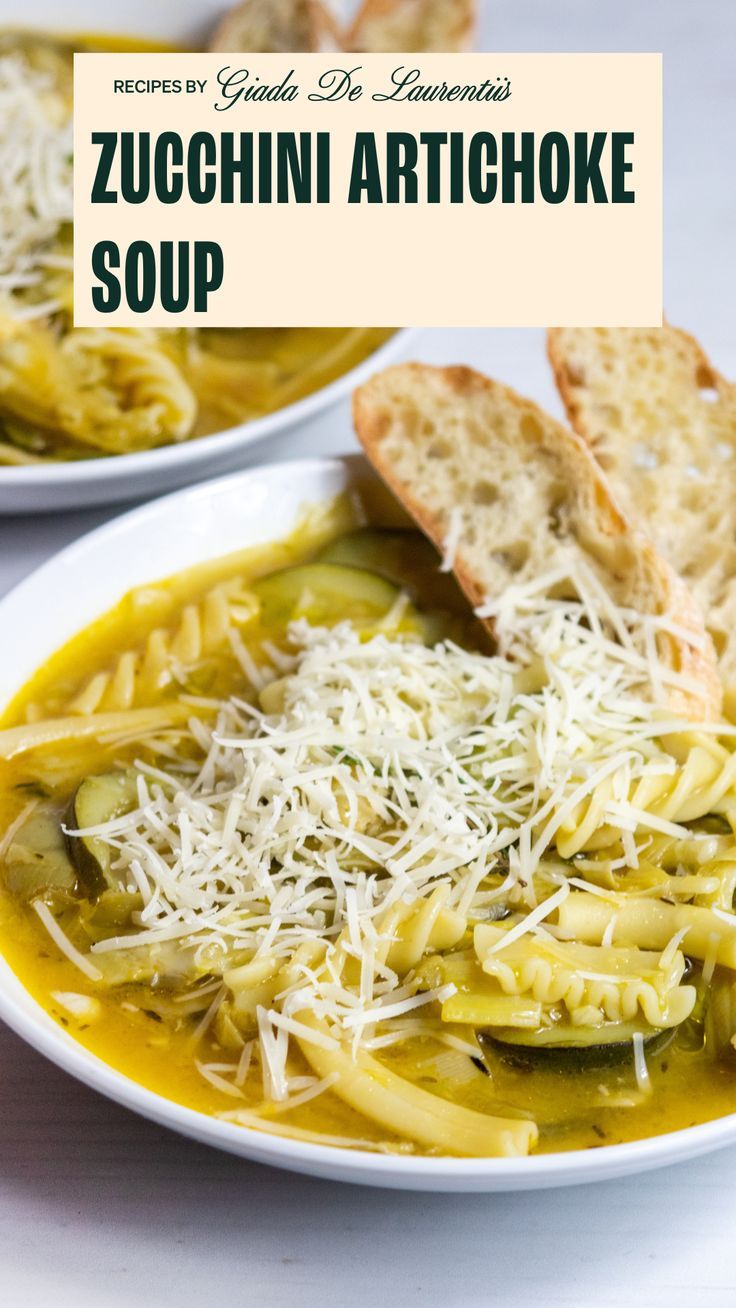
(99, 1209)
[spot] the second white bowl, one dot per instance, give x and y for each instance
(49, 487)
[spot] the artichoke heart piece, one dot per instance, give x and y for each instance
(99, 799)
(37, 860)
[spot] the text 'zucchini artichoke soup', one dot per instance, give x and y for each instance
(288, 842)
(77, 393)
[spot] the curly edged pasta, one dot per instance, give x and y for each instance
(111, 390)
(131, 394)
(692, 776)
(595, 984)
(361, 1081)
(122, 390)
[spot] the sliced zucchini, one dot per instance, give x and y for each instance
(324, 593)
(406, 558)
(574, 1045)
(37, 859)
(99, 799)
(720, 1016)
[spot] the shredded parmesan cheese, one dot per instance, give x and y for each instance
(212, 1073)
(452, 539)
(36, 171)
(641, 1071)
(379, 798)
(62, 941)
(387, 774)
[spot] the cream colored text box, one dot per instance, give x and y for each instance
(387, 264)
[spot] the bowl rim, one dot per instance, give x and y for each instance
(205, 449)
(27, 1017)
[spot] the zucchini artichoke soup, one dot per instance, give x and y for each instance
(288, 840)
(75, 393)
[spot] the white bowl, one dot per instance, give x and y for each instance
(50, 487)
(67, 593)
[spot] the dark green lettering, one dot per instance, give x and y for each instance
(202, 167)
(523, 166)
(365, 174)
(168, 156)
(100, 193)
(482, 160)
(588, 176)
(293, 167)
(402, 154)
(209, 269)
(620, 166)
(240, 166)
(434, 142)
(135, 192)
(554, 167)
(105, 255)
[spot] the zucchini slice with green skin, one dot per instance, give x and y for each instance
(98, 799)
(37, 860)
(720, 1016)
(325, 593)
(406, 558)
(575, 1046)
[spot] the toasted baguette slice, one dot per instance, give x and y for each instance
(662, 424)
(407, 25)
(274, 27)
(522, 495)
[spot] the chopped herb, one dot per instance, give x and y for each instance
(34, 788)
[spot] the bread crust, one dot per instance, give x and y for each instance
(272, 26)
(403, 397)
(412, 25)
(689, 348)
(662, 421)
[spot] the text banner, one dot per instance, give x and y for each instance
(334, 190)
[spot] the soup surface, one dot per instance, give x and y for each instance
(73, 393)
(277, 845)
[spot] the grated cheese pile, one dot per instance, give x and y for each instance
(36, 172)
(382, 771)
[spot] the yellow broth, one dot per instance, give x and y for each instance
(575, 1107)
